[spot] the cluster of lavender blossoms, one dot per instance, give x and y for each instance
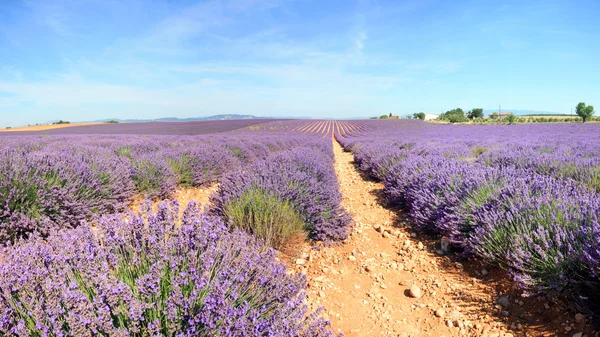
(523, 196)
(151, 274)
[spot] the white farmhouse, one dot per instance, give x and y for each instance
(429, 117)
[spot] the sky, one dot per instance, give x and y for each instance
(82, 60)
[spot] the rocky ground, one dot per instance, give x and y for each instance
(387, 280)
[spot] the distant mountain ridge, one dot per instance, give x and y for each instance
(188, 119)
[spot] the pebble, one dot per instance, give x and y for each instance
(300, 262)
(351, 258)
(484, 272)
(420, 245)
(321, 294)
(579, 318)
(445, 244)
(455, 315)
(504, 301)
(413, 235)
(579, 334)
(415, 291)
(449, 323)
(440, 313)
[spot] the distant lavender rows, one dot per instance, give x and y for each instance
(523, 196)
(149, 128)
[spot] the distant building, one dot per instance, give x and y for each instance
(504, 114)
(429, 117)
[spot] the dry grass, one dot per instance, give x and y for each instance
(552, 117)
(45, 127)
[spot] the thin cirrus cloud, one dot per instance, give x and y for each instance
(66, 59)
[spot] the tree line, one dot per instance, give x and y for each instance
(458, 115)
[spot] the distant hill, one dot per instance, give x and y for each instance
(189, 119)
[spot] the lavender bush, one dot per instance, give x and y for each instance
(151, 274)
(40, 191)
(303, 178)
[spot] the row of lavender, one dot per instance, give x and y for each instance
(54, 182)
(524, 197)
(295, 187)
(157, 273)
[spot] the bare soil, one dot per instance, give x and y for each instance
(184, 196)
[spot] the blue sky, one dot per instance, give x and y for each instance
(91, 59)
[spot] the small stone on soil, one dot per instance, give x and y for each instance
(415, 291)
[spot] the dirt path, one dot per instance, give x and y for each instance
(365, 284)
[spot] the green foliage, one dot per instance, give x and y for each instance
(149, 179)
(511, 119)
(182, 166)
(419, 115)
(61, 122)
(8, 127)
(390, 114)
(112, 121)
(124, 151)
(584, 111)
(494, 115)
(237, 152)
(475, 113)
(454, 116)
(478, 151)
(383, 117)
(262, 214)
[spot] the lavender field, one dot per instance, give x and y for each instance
(77, 262)
(523, 197)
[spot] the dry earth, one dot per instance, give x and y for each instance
(386, 280)
(183, 196)
(45, 127)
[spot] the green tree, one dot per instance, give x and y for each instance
(383, 117)
(511, 119)
(584, 111)
(390, 114)
(494, 115)
(475, 113)
(419, 115)
(454, 116)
